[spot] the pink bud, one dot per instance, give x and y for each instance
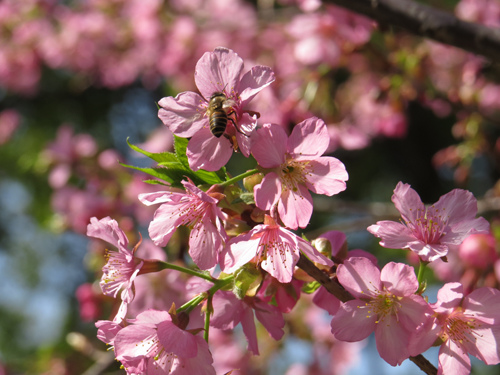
(478, 251)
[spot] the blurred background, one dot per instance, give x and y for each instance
(79, 77)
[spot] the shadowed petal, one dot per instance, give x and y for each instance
(353, 322)
(253, 81)
(208, 152)
(268, 191)
(295, 208)
(270, 146)
(184, 114)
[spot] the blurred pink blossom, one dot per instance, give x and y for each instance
(9, 122)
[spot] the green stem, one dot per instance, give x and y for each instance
(208, 314)
(238, 178)
(195, 301)
(420, 276)
(171, 266)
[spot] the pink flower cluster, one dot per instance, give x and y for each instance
(245, 239)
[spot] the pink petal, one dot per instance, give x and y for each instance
(107, 330)
(326, 301)
(268, 192)
(414, 312)
(450, 296)
(248, 325)
(313, 254)
(269, 147)
(228, 310)
(484, 344)
(408, 202)
(484, 304)
(353, 322)
(150, 318)
(177, 341)
(164, 223)
(184, 115)
(205, 244)
(428, 252)
(393, 235)
(460, 231)
(107, 229)
(309, 139)
(360, 277)
(452, 360)
(218, 71)
(239, 251)
(208, 152)
(160, 197)
(200, 194)
(295, 208)
(271, 318)
(392, 341)
(327, 177)
(458, 205)
(202, 364)
(253, 81)
(245, 136)
(281, 264)
(127, 340)
(399, 279)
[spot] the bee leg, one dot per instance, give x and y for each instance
(233, 141)
(236, 127)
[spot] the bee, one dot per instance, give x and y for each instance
(219, 111)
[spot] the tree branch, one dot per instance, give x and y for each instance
(429, 22)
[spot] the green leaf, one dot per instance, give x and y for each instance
(311, 287)
(180, 146)
(170, 175)
(173, 168)
(154, 182)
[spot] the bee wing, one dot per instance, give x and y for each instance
(228, 104)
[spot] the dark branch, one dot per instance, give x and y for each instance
(429, 22)
(331, 285)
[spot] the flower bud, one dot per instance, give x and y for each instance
(247, 280)
(478, 251)
(250, 181)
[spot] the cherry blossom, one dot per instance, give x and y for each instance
(294, 166)
(385, 302)
(153, 344)
(121, 267)
(468, 325)
(187, 115)
(194, 208)
(276, 249)
(430, 231)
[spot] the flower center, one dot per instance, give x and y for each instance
(293, 173)
(431, 224)
(460, 328)
(385, 304)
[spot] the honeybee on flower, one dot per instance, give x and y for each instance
(225, 94)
